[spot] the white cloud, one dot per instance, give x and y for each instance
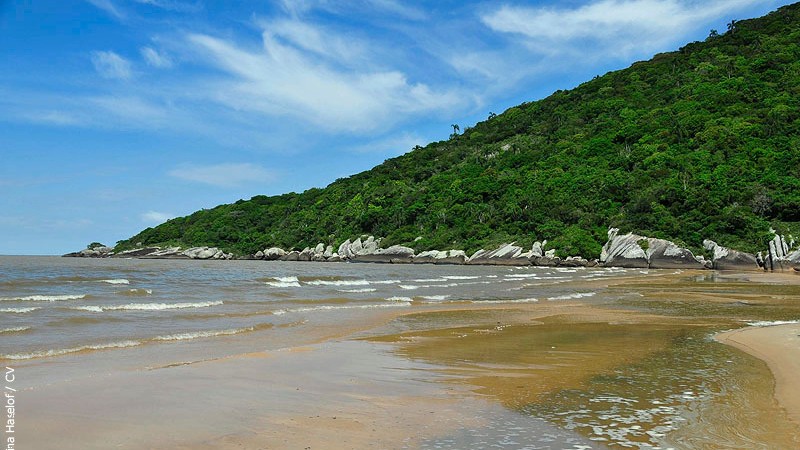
(154, 58)
(224, 175)
(109, 7)
(111, 65)
(156, 217)
(611, 27)
(173, 5)
(300, 73)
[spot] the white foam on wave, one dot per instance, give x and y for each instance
(428, 280)
(573, 296)
(64, 351)
(461, 277)
(434, 297)
(410, 287)
(202, 334)
(399, 299)
(18, 310)
(357, 291)
(385, 282)
(116, 281)
(14, 330)
(338, 282)
(147, 306)
(534, 276)
(283, 282)
(281, 312)
(516, 300)
(772, 323)
(136, 292)
(43, 298)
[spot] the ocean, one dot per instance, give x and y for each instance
(52, 306)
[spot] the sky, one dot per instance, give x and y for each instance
(116, 115)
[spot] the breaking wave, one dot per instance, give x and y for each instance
(147, 306)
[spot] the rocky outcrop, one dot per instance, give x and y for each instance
(663, 254)
(728, 259)
(634, 251)
(779, 255)
(624, 251)
(441, 257)
(274, 254)
(291, 256)
(137, 252)
(396, 254)
(96, 251)
(505, 255)
(206, 253)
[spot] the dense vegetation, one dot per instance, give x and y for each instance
(699, 143)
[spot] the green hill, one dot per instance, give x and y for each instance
(699, 143)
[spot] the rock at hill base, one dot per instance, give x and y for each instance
(730, 259)
(663, 254)
(624, 251)
(505, 255)
(274, 254)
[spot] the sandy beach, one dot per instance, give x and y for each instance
(779, 347)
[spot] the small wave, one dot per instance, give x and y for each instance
(18, 310)
(207, 334)
(428, 280)
(283, 282)
(147, 306)
(385, 282)
(338, 283)
(535, 276)
(772, 323)
(336, 308)
(434, 297)
(116, 281)
(14, 330)
(399, 299)
(64, 351)
(357, 291)
(43, 298)
(410, 287)
(461, 277)
(516, 300)
(573, 296)
(136, 292)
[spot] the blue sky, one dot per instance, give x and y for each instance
(116, 115)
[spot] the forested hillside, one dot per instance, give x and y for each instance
(699, 143)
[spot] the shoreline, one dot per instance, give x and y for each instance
(779, 347)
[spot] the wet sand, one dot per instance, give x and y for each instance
(779, 347)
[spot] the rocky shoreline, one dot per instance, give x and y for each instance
(625, 251)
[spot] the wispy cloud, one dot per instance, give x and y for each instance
(154, 58)
(109, 7)
(173, 5)
(225, 175)
(303, 77)
(111, 65)
(155, 217)
(607, 27)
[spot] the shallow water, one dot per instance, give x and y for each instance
(53, 306)
(635, 368)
